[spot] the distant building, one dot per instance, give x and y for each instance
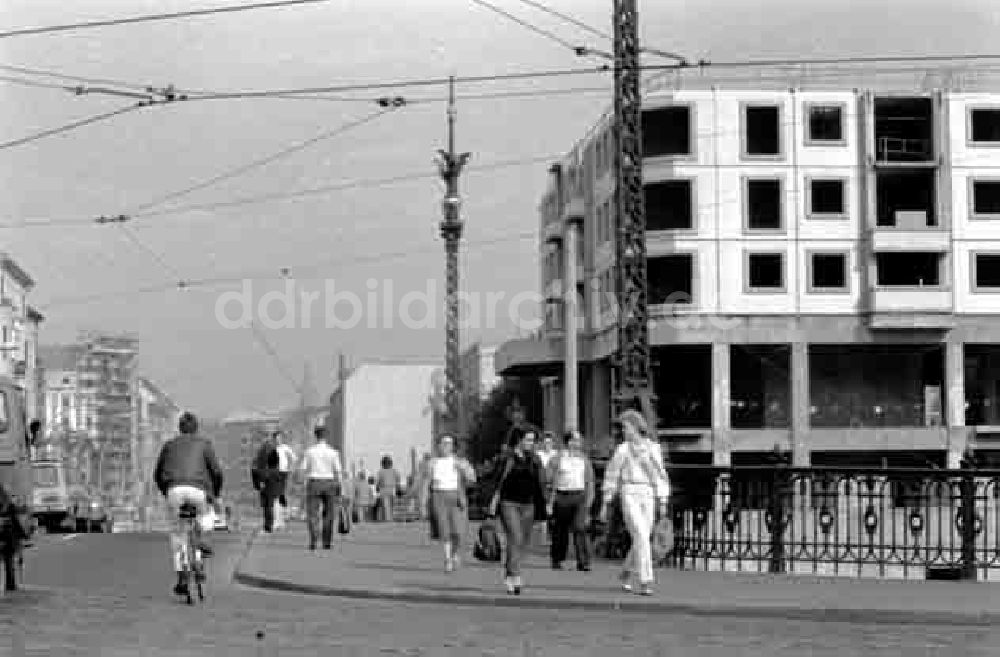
(236, 441)
(478, 378)
(383, 408)
(91, 409)
(34, 378)
(158, 416)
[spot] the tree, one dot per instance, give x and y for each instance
(495, 421)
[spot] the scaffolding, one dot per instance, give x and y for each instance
(106, 375)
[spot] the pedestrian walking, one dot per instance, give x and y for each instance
(546, 452)
(444, 498)
(519, 498)
(637, 478)
(266, 480)
(286, 462)
(387, 487)
(320, 466)
(364, 500)
(572, 494)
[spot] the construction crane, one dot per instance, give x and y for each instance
(632, 376)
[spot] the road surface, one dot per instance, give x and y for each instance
(99, 594)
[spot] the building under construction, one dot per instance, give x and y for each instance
(106, 365)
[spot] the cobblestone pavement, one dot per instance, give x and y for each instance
(113, 599)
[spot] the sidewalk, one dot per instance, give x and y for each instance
(399, 562)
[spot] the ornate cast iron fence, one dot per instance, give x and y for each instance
(893, 523)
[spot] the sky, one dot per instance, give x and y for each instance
(356, 239)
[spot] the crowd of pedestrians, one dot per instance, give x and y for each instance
(534, 484)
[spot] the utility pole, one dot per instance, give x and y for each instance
(632, 372)
(450, 165)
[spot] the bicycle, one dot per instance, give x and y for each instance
(192, 563)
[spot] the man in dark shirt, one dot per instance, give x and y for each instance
(188, 472)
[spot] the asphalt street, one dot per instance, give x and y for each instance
(97, 594)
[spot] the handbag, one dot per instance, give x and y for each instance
(662, 540)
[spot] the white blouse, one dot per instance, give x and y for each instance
(570, 472)
(444, 473)
(640, 465)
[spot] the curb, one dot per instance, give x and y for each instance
(626, 604)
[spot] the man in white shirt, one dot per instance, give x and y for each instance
(570, 497)
(286, 459)
(323, 473)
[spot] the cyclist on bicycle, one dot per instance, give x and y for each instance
(188, 472)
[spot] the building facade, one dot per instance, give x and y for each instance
(384, 408)
(823, 275)
(158, 416)
(92, 409)
(19, 328)
(477, 372)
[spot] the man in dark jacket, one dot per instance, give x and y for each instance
(188, 472)
(266, 478)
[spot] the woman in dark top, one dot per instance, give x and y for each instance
(520, 501)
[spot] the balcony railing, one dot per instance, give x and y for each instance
(862, 522)
(898, 149)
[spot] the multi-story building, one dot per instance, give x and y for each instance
(823, 274)
(91, 407)
(19, 326)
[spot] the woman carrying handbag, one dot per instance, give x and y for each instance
(519, 499)
(637, 478)
(446, 479)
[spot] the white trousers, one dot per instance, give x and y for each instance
(177, 496)
(279, 515)
(639, 509)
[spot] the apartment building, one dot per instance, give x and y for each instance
(19, 327)
(823, 275)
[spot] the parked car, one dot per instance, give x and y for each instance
(90, 513)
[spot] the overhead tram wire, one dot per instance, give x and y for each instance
(75, 78)
(593, 70)
(281, 196)
(269, 274)
(158, 258)
(72, 126)
(555, 73)
(237, 171)
(154, 17)
(525, 24)
(568, 19)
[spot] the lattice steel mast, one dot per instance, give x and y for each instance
(450, 165)
(632, 375)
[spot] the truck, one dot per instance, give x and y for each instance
(52, 506)
(16, 482)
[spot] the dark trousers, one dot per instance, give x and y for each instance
(282, 488)
(325, 494)
(518, 520)
(570, 517)
(267, 497)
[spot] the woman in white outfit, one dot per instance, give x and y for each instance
(443, 494)
(636, 474)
